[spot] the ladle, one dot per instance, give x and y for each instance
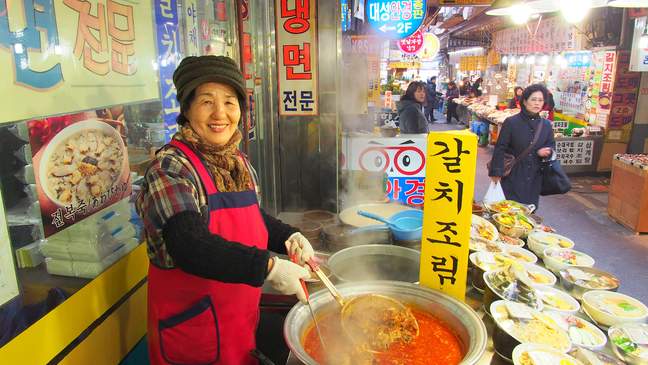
(350, 309)
(401, 224)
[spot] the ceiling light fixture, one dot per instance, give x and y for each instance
(574, 11)
(501, 7)
(628, 3)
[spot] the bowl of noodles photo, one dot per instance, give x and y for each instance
(81, 163)
(447, 331)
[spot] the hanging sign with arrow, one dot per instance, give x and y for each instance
(395, 19)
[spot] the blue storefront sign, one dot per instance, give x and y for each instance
(395, 19)
(166, 25)
(345, 15)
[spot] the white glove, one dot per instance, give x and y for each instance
(299, 246)
(284, 277)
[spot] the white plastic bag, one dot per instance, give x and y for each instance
(494, 194)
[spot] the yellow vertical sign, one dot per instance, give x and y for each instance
(449, 184)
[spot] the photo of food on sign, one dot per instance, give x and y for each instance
(80, 165)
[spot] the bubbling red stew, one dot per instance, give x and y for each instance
(435, 344)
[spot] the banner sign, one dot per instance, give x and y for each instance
(450, 171)
(624, 98)
(395, 19)
(296, 33)
(575, 153)
(402, 159)
(411, 44)
(553, 35)
(60, 56)
(168, 58)
(639, 55)
(80, 167)
(190, 15)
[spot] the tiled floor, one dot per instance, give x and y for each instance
(582, 216)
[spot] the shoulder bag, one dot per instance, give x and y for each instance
(554, 179)
(510, 160)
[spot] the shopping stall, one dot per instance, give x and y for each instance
(514, 285)
(85, 105)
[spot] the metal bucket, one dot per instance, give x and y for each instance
(376, 262)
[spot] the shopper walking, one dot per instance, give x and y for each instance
(431, 99)
(208, 241)
(410, 109)
(451, 93)
(515, 102)
(528, 138)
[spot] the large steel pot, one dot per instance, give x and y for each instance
(460, 317)
(376, 262)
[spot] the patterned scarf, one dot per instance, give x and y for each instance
(224, 162)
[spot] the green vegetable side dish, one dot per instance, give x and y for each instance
(627, 307)
(625, 344)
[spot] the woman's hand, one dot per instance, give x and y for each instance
(544, 152)
(299, 246)
(284, 277)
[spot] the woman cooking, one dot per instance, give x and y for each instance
(528, 138)
(208, 241)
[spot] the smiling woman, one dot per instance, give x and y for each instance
(208, 241)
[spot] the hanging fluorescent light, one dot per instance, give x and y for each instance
(504, 60)
(520, 60)
(501, 7)
(520, 13)
(467, 50)
(628, 3)
(574, 11)
(544, 59)
(530, 60)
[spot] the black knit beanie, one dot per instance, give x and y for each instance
(194, 71)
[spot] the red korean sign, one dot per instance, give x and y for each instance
(607, 80)
(411, 44)
(296, 34)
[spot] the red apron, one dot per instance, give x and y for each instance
(193, 320)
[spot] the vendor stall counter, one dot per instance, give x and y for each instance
(628, 198)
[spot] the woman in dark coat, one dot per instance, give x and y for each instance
(410, 109)
(452, 93)
(525, 180)
(515, 103)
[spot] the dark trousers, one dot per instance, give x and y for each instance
(429, 110)
(452, 112)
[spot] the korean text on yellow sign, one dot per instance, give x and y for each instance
(63, 56)
(449, 185)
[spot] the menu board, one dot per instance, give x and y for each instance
(8, 280)
(575, 152)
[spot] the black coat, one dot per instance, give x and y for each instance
(525, 181)
(411, 118)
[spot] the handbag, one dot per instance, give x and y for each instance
(554, 179)
(510, 160)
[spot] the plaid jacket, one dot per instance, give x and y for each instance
(171, 185)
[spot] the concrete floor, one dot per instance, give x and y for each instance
(582, 216)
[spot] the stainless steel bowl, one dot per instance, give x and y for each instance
(376, 262)
(576, 290)
(457, 315)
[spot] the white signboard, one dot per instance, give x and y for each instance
(575, 152)
(639, 55)
(8, 281)
(296, 25)
(402, 159)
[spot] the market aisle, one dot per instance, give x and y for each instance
(583, 218)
